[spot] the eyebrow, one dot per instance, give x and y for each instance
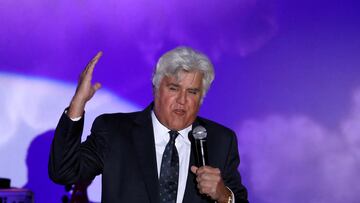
(177, 85)
(173, 84)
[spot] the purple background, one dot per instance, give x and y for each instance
(287, 75)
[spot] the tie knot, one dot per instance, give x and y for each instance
(173, 135)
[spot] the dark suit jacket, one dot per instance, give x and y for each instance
(121, 148)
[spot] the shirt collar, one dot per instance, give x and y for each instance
(160, 129)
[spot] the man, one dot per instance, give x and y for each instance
(146, 156)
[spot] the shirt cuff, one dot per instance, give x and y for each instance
(232, 196)
(76, 118)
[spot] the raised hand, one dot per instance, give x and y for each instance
(85, 89)
(210, 183)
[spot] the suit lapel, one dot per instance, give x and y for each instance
(144, 144)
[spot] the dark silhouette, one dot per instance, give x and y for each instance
(44, 189)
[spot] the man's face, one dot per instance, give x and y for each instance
(178, 99)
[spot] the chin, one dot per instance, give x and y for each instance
(177, 127)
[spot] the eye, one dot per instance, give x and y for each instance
(194, 92)
(173, 88)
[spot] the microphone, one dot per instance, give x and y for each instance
(199, 134)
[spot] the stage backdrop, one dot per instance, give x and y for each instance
(287, 81)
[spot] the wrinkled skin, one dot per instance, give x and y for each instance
(178, 99)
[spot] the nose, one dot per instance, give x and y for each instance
(181, 97)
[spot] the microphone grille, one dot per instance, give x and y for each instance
(199, 132)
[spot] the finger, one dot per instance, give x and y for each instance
(200, 189)
(205, 185)
(90, 66)
(215, 171)
(194, 169)
(96, 86)
(205, 188)
(92, 63)
(201, 170)
(205, 177)
(208, 170)
(96, 57)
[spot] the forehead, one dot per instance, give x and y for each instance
(185, 78)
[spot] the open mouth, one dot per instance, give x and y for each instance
(179, 112)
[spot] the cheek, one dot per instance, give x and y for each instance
(194, 106)
(194, 101)
(169, 101)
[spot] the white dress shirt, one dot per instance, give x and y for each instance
(183, 145)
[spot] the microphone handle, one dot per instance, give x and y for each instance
(201, 152)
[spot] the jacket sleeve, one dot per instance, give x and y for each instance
(231, 174)
(70, 160)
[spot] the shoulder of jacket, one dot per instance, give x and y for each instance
(212, 125)
(114, 117)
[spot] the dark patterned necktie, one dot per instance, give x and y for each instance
(169, 171)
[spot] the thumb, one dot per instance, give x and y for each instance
(194, 169)
(97, 86)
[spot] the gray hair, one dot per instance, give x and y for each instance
(184, 59)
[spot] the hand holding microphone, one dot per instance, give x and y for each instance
(209, 180)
